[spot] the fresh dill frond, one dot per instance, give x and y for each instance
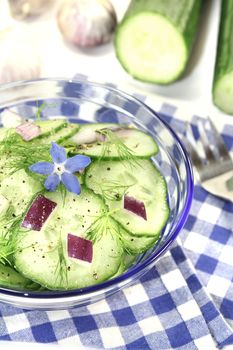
(40, 109)
(6, 250)
(61, 267)
(11, 233)
(113, 190)
(9, 237)
(101, 226)
(112, 140)
(63, 193)
(21, 155)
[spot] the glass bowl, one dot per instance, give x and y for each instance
(84, 102)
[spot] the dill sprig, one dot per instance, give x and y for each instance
(11, 232)
(61, 267)
(6, 250)
(40, 109)
(112, 190)
(123, 151)
(20, 154)
(103, 225)
(9, 238)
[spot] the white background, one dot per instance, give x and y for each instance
(193, 91)
(59, 59)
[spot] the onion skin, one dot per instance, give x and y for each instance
(87, 23)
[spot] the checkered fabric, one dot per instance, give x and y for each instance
(185, 302)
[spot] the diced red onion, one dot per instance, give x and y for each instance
(91, 136)
(135, 206)
(87, 137)
(124, 133)
(38, 213)
(79, 248)
(28, 130)
(100, 137)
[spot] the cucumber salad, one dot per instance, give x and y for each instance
(78, 203)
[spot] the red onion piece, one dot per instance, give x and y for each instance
(123, 133)
(87, 137)
(135, 206)
(28, 130)
(79, 248)
(38, 213)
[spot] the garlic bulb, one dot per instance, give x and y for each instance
(19, 59)
(21, 9)
(87, 22)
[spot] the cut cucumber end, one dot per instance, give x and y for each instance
(151, 49)
(223, 93)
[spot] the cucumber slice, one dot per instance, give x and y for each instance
(126, 262)
(122, 144)
(67, 130)
(9, 278)
(153, 42)
(138, 244)
(42, 256)
(18, 189)
(223, 77)
(142, 181)
(50, 127)
(4, 169)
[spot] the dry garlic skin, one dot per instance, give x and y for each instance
(87, 23)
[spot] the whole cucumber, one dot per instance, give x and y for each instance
(223, 76)
(154, 40)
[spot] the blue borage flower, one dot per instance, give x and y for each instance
(62, 169)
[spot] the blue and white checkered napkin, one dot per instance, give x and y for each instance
(185, 302)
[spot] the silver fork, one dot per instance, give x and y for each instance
(215, 171)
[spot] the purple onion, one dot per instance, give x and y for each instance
(38, 213)
(79, 248)
(135, 206)
(28, 131)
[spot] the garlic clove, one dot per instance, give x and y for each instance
(87, 23)
(19, 59)
(21, 9)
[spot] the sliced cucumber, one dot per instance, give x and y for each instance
(4, 169)
(138, 244)
(50, 127)
(87, 133)
(9, 278)
(223, 77)
(42, 256)
(19, 188)
(67, 130)
(126, 261)
(121, 143)
(142, 181)
(153, 42)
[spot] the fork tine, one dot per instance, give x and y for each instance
(189, 143)
(223, 152)
(189, 135)
(205, 143)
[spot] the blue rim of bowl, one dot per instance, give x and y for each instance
(25, 294)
